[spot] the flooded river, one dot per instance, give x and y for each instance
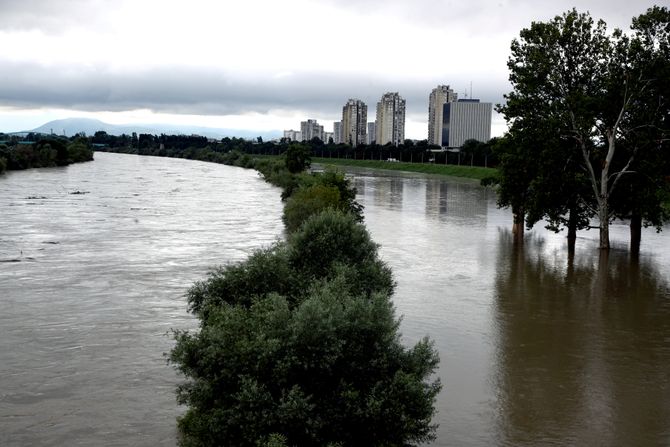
(537, 348)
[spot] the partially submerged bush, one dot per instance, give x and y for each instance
(299, 345)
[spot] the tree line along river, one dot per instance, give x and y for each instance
(537, 348)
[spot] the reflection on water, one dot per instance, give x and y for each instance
(537, 348)
(582, 349)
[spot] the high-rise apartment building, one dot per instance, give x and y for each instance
(390, 122)
(372, 133)
(354, 122)
(440, 96)
(337, 132)
(464, 120)
(311, 129)
(293, 135)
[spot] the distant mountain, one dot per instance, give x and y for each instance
(73, 126)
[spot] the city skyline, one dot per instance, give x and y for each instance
(230, 66)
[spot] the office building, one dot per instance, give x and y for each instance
(464, 120)
(354, 122)
(390, 121)
(440, 96)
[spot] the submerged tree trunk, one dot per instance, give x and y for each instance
(604, 217)
(572, 230)
(603, 200)
(517, 227)
(635, 233)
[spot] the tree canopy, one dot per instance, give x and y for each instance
(299, 345)
(593, 105)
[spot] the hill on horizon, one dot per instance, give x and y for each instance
(73, 126)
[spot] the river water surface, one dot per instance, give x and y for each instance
(537, 348)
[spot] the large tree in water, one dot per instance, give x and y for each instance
(601, 94)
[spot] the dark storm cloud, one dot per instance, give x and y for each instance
(206, 92)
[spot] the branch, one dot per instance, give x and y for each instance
(590, 208)
(586, 154)
(621, 173)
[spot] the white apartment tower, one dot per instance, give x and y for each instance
(337, 132)
(372, 133)
(390, 122)
(466, 119)
(441, 95)
(293, 135)
(354, 122)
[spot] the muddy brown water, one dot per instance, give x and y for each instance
(537, 348)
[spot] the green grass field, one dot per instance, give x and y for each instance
(473, 172)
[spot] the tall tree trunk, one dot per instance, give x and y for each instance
(635, 233)
(603, 203)
(604, 217)
(572, 230)
(517, 227)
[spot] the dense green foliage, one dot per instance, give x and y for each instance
(195, 147)
(316, 192)
(299, 345)
(298, 158)
(47, 152)
(588, 119)
(3, 158)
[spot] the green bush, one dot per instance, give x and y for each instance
(330, 238)
(306, 202)
(299, 345)
(331, 370)
(265, 271)
(80, 150)
(298, 157)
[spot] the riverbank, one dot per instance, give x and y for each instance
(473, 172)
(45, 153)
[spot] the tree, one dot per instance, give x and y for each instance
(647, 188)
(310, 356)
(517, 152)
(79, 150)
(571, 77)
(298, 157)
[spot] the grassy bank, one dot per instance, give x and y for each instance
(473, 172)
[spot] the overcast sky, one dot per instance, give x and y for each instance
(258, 64)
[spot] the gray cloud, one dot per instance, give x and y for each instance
(52, 16)
(211, 92)
(496, 16)
(476, 16)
